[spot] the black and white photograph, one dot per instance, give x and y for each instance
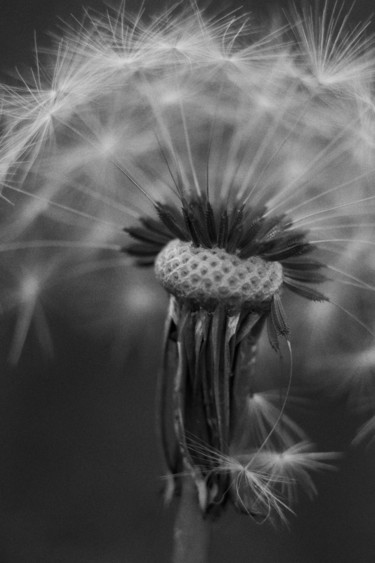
(187, 281)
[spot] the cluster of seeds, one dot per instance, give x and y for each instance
(210, 277)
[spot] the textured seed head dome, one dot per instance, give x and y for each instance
(212, 276)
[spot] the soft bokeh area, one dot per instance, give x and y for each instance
(80, 472)
(81, 477)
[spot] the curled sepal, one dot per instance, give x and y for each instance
(277, 325)
(278, 316)
(273, 335)
(207, 355)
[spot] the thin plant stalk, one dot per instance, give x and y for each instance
(192, 530)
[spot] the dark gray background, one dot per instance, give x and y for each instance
(79, 468)
(19, 18)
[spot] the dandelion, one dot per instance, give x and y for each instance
(237, 159)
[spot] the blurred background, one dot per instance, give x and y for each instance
(80, 474)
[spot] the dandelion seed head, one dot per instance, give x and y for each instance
(238, 159)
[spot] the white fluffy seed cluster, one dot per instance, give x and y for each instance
(212, 276)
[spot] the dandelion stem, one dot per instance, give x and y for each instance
(192, 529)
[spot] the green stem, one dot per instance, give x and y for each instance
(192, 530)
